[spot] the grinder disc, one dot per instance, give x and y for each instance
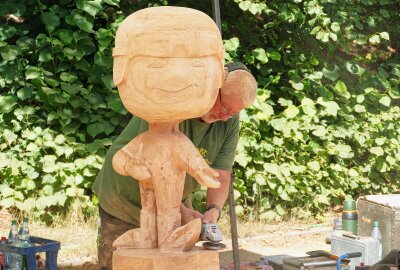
(213, 246)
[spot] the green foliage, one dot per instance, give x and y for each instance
(324, 124)
(59, 109)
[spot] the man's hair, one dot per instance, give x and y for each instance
(240, 82)
(236, 66)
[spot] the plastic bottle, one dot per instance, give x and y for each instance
(24, 240)
(3, 255)
(376, 234)
(23, 234)
(13, 261)
(337, 230)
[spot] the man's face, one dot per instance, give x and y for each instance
(224, 107)
(171, 88)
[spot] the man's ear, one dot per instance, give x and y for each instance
(226, 72)
(119, 68)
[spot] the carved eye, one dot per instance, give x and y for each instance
(156, 65)
(197, 64)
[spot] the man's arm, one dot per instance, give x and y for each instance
(217, 196)
(188, 214)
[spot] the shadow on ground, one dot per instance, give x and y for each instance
(84, 266)
(244, 255)
(225, 256)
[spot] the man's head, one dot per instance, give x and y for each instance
(168, 63)
(238, 92)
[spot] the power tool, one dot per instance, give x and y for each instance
(211, 234)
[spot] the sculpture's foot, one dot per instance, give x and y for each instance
(136, 238)
(183, 238)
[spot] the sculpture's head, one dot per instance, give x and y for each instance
(168, 63)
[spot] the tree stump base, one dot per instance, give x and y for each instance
(154, 259)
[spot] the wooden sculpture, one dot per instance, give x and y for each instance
(168, 67)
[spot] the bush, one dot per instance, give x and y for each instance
(324, 124)
(59, 108)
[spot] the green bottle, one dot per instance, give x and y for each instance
(24, 263)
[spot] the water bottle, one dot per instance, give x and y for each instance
(24, 240)
(13, 261)
(376, 234)
(3, 255)
(23, 234)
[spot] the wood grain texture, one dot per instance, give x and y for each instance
(153, 259)
(159, 160)
(168, 67)
(168, 63)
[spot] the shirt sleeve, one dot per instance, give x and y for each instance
(226, 155)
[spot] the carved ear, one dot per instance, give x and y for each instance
(119, 69)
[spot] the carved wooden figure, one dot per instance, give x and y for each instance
(168, 67)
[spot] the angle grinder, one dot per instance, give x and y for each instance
(211, 234)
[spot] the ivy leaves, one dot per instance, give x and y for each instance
(327, 126)
(58, 101)
(7, 104)
(325, 123)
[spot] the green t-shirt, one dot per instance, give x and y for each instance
(119, 195)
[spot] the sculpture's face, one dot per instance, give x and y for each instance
(168, 63)
(171, 88)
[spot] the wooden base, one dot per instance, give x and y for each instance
(153, 259)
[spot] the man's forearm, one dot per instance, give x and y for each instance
(217, 196)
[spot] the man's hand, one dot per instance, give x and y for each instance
(211, 216)
(188, 214)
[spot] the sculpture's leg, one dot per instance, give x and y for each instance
(167, 221)
(171, 236)
(146, 235)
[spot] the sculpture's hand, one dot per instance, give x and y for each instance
(188, 214)
(207, 177)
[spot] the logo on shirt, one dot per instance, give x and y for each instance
(203, 153)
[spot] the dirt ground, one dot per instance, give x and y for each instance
(294, 238)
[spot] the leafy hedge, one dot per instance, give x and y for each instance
(324, 124)
(59, 108)
(326, 121)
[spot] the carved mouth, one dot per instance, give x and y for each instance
(173, 91)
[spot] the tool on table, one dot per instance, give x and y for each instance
(325, 253)
(212, 235)
(322, 253)
(347, 256)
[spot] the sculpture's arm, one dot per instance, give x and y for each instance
(193, 163)
(125, 163)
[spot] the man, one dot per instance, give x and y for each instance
(215, 134)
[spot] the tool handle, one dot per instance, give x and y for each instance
(354, 255)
